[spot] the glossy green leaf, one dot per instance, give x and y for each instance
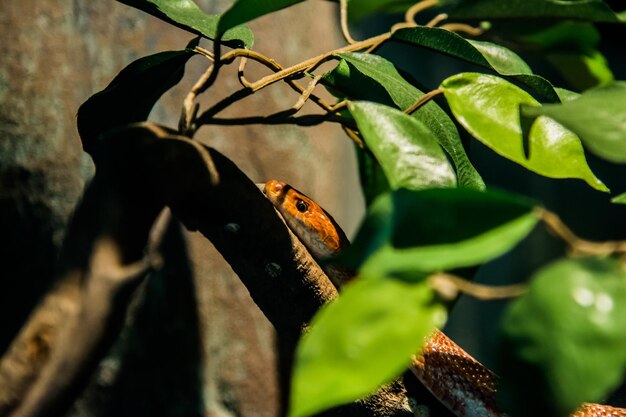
(565, 338)
(243, 11)
(132, 93)
(586, 10)
(370, 77)
(415, 232)
(484, 54)
(186, 15)
(406, 149)
(598, 116)
(489, 108)
(620, 199)
(361, 341)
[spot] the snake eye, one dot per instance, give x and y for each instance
(302, 206)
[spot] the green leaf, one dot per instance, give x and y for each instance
(620, 199)
(371, 77)
(243, 11)
(586, 10)
(186, 15)
(484, 54)
(132, 93)
(489, 108)
(582, 70)
(415, 232)
(406, 149)
(565, 338)
(598, 116)
(361, 341)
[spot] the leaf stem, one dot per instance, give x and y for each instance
(343, 13)
(577, 245)
(449, 286)
(423, 100)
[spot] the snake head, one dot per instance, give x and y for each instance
(312, 224)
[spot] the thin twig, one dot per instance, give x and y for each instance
(352, 134)
(343, 13)
(410, 14)
(240, 72)
(462, 27)
(423, 100)
(302, 99)
(312, 63)
(577, 245)
(449, 286)
(436, 20)
(306, 120)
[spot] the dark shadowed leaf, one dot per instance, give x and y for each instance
(406, 149)
(361, 341)
(132, 93)
(416, 232)
(370, 77)
(243, 11)
(371, 176)
(484, 54)
(598, 116)
(358, 9)
(566, 338)
(186, 15)
(555, 152)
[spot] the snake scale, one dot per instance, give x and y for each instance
(460, 382)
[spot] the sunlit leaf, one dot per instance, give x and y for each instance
(565, 338)
(243, 11)
(406, 149)
(484, 54)
(188, 16)
(361, 341)
(620, 199)
(414, 232)
(370, 77)
(489, 108)
(598, 116)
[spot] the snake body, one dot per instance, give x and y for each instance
(464, 385)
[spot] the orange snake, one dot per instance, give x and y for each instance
(455, 378)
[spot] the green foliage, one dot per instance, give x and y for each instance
(410, 233)
(554, 151)
(187, 15)
(598, 116)
(369, 77)
(620, 199)
(484, 54)
(406, 149)
(566, 338)
(361, 341)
